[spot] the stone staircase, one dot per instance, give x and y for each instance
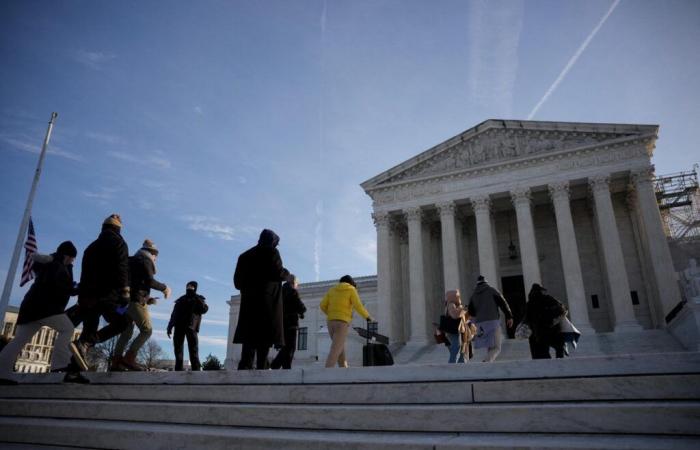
(641, 401)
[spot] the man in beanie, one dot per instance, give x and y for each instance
(104, 288)
(142, 270)
(483, 306)
(186, 318)
(259, 275)
(44, 305)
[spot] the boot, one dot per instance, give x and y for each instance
(129, 361)
(117, 364)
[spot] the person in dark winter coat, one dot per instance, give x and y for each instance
(142, 270)
(544, 313)
(104, 289)
(258, 276)
(44, 305)
(483, 306)
(185, 319)
(294, 310)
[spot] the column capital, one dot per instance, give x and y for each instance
(640, 176)
(414, 213)
(599, 183)
(381, 219)
(447, 209)
(521, 196)
(481, 203)
(559, 190)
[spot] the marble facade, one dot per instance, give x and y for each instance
(568, 205)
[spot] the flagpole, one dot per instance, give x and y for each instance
(4, 300)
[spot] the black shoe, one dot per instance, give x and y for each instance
(61, 370)
(79, 350)
(75, 377)
(8, 382)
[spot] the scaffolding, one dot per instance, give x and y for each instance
(678, 197)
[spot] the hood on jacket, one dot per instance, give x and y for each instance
(268, 238)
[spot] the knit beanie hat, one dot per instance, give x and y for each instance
(113, 220)
(150, 246)
(67, 249)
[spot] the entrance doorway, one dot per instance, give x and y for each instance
(514, 292)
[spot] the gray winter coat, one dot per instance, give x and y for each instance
(485, 301)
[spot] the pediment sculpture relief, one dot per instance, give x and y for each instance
(498, 145)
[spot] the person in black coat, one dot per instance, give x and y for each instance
(44, 305)
(294, 310)
(104, 289)
(185, 319)
(543, 315)
(258, 276)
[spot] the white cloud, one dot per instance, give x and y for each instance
(93, 60)
(105, 138)
(198, 110)
(156, 159)
(217, 281)
(215, 228)
(494, 38)
(24, 144)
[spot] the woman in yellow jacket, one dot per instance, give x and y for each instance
(337, 305)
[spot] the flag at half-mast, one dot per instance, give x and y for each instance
(29, 250)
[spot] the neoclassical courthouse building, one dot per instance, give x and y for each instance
(568, 205)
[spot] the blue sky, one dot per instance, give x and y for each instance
(201, 123)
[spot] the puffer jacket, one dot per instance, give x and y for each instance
(339, 302)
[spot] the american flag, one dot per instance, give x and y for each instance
(29, 250)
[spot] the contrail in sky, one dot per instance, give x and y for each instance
(573, 60)
(318, 231)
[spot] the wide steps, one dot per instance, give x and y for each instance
(652, 398)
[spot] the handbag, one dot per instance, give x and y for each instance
(439, 336)
(523, 331)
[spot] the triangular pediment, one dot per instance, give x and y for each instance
(498, 141)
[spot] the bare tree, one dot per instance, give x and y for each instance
(150, 354)
(100, 357)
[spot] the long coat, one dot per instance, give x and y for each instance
(105, 268)
(259, 274)
(50, 292)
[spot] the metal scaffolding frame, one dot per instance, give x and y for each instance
(678, 197)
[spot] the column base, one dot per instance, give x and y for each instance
(627, 326)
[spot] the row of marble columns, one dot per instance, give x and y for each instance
(619, 288)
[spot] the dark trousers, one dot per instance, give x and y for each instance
(251, 352)
(286, 354)
(539, 347)
(90, 315)
(192, 347)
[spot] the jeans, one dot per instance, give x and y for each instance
(455, 345)
(24, 334)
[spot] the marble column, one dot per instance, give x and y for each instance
(526, 236)
(571, 263)
(655, 240)
(418, 330)
(384, 268)
(485, 239)
(450, 261)
(612, 255)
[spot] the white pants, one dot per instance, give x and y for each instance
(61, 349)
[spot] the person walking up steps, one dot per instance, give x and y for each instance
(337, 305)
(483, 306)
(44, 305)
(294, 310)
(142, 270)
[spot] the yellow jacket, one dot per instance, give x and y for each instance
(339, 301)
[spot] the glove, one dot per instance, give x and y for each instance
(170, 332)
(166, 292)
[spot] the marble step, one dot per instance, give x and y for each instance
(593, 366)
(640, 387)
(628, 417)
(100, 434)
